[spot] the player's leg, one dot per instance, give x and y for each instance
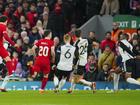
(65, 76)
(56, 82)
(4, 83)
(73, 84)
(56, 78)
(4, 54)
(46, 70)
(128, 67)
(80, 72)
(116, 78)
(6, 80)
(9, 65)
(43, 83)
(131, 80)
(61, 83)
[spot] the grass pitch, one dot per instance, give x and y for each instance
(76, 98)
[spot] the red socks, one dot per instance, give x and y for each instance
(9, 67)
(44, 82)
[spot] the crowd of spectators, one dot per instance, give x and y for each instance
(28, 18)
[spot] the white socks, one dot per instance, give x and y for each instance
(132, 81)
(85, 82)
(56, 81)
(72, 85)
(5, 81)
(61, 83)
(116, 78)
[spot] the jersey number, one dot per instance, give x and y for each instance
(67, 54)
(83, 49)
(43, 51)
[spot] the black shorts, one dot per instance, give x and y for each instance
(130, 65)
(80, 70)
(61, 73)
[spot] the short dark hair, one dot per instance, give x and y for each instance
(78, 33)
(47, 32)
(3, 18)
(108, 32)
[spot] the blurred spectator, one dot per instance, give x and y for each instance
(115, 32)
(46, 9)
(135, 7)
(17, 15)
(124, 6)
(57, 47)
(32, 15)
(1, 7)
(7, 13)
(16, 36)
(26, 45)
(138, 34)
(108, 41)
(34, 35)
(91, 69)
(58, 20)
(107, 57)
(80, 12)
(104, 73)
(69, 13)
(110, 7)
(27, 62)
(25, 6)
(39, 27)
(45, 20)
(40, 6)
(14, 60)
(96, 50)
(18, 70)
(93, 7)
(23, 34)
(92, 37)
(72, 33)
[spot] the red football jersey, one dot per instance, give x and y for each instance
(3, 34)
(2, 30)
(44, 46)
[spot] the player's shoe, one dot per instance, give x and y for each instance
(56, 90)
(3, 90)
(93, 87)
(41, 91)
(112, 91)
(69, 91)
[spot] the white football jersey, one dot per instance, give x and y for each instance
(66, 57)
(82, 45)
(5, 44)
(125, 55)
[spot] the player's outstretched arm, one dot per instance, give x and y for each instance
(8, 39)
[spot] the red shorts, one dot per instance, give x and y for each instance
(3, 52)
(41, 66)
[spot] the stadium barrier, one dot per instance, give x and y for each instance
(50, 86)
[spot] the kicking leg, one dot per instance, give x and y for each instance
(72, 86)
(61, 83)
(44, 82)
(116, 78)
(91, 84)
(4, 83)
(56, 83)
